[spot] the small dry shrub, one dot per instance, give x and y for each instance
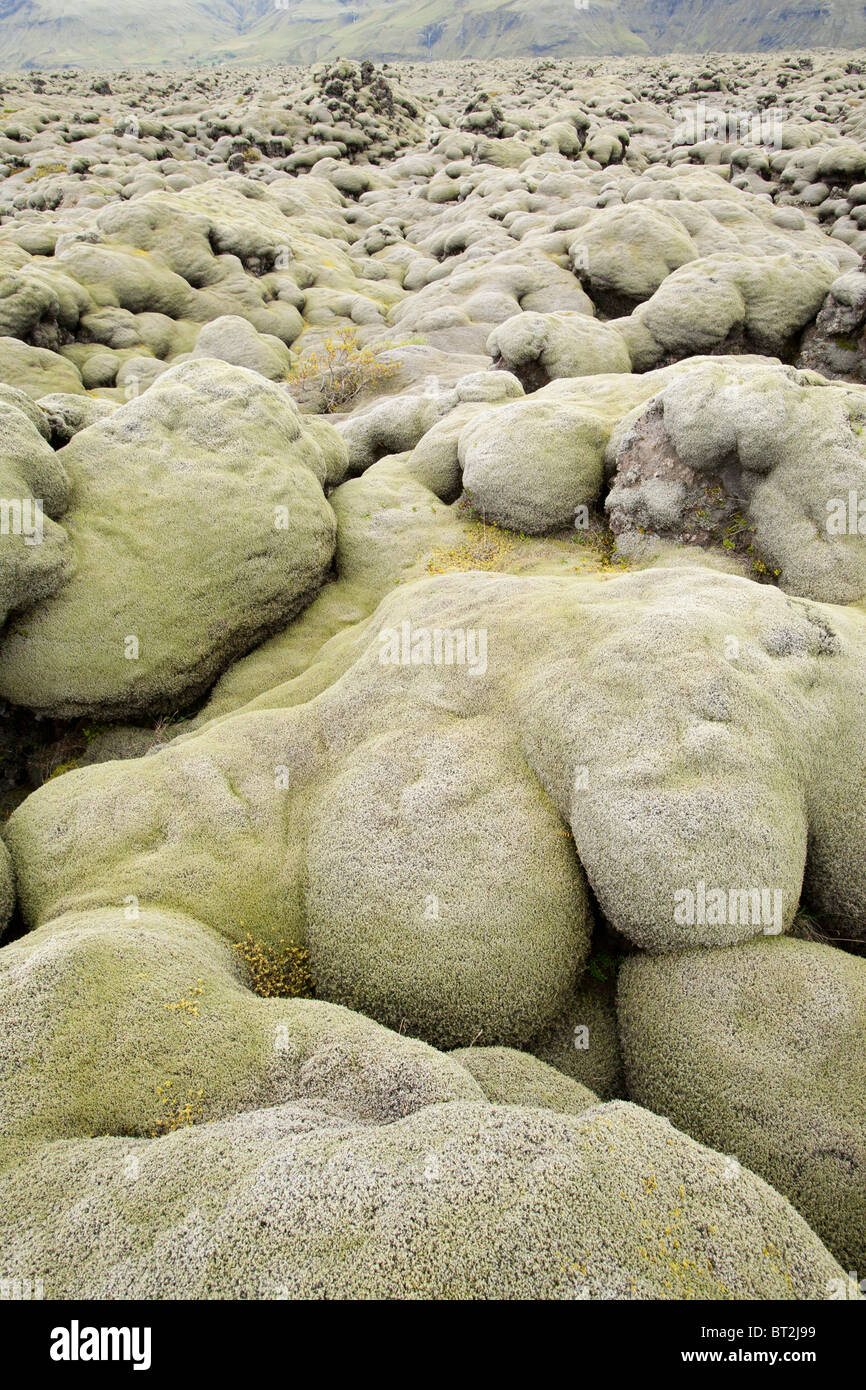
(329, 378)
(277, 972)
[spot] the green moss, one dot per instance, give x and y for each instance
(59, 770)
(157, 649)
(758, 1051)
(44, 171)
(483, 1201)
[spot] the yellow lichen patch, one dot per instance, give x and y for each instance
(487, 547)
(188, 1004)
(277, 972)
(178, 1114)
(600, 544)
(43, 171)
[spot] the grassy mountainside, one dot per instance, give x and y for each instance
(100, 33)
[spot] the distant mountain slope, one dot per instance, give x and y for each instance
(107, 33)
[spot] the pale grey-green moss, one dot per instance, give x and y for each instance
(7, 886)
(425, 832)
(583, 1041)
(65, 415)
(555, 345)
(232, 339)
(37, 371)
(412, 824)
(530, 465)
(786, 447)
(761, 302)
(509, 1077)
(482, 1202)
(397, 424)
(758, 1051)
(438, 885)
(146, 482)
(113, 1021)
(629, 251)
(35, 553)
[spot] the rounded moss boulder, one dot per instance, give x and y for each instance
(67, 415)
(35, 553)
(234, 340)
(509, 1077)
(114, 1021)
(625, 253)
(748, 303)
(482, 1202)
(438, 887)
(201, 497)
(538, 348)
(37, 371)
(529, 465)
(7, 886)
(760, 459)
(758, 1051)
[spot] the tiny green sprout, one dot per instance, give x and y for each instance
(601, 966)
